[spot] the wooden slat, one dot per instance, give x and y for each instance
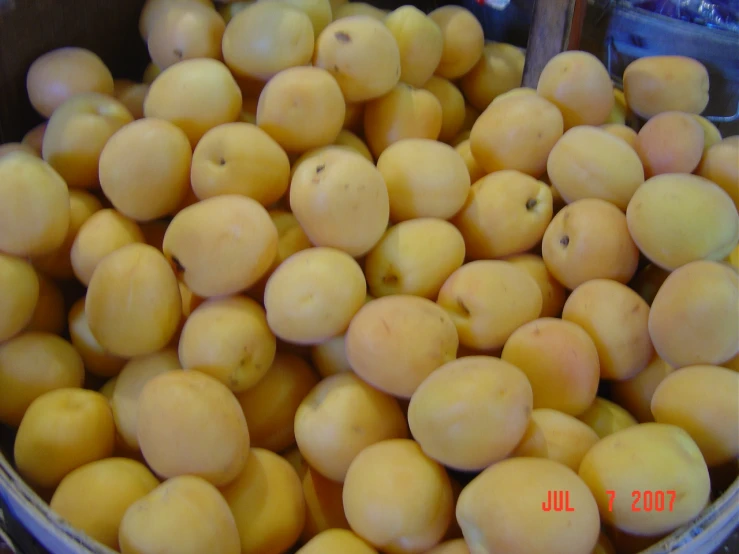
(555, 27)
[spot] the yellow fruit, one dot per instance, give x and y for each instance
(336, 541)
(463, 42)
(499, 70)
(19, 295)
(98, 361)
(605, 417)
(420, 43)
(567, 438)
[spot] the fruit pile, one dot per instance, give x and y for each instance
(329, 281)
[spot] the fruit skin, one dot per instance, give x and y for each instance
(344, 406)
(613, 315)
(222, 245)
(93, 498)
(494, 394)
(589, 239)
(635, 394)
(34, 206)
(702, 400)
(526, 526)
(670, 142)
(567, 438)
(133, 303)
(579, 85)
(606, 417)
(395, 342)
(32, 364)
(191, 424)
(656, 84)
(516, 133)
(336, 541)
(560, 360)
(185, 514)
(588, 162)
(463, 42)
(397, 498)
(718, 165)
(62, 430)
(499, 70)
(19, 294)
(693, 317)
(266, 500)
(647, 457)
(60, 74)
(552, 292)
(420, 43)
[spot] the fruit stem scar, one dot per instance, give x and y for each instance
(341, 36)
(320, 168)
(565, 240)
(531, 203)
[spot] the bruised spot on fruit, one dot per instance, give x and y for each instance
(221, 161)
(531, 204)
(320, 168)
(564, 241)
(341, 36)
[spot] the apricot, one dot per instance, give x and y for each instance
(313, 295)
(420, 43)
(32, 364)
(49, 315)
(58, 75)
(336, 541)
(635, 394)
(104, 232)
(34, 206)
(62, 430)
(647, 458)
(324, 505)
(346, 407)
(670, 142)
(129, 383)
(533, 444)
(213, 97)
(10, 147)
(270, 405)
(350, 9)
(301, 108)
(361, 54)
(648, 281)
(35, 137)
(402, 113)
(589, 239)
(19, 295)
(452, 411)
(397, 498)
(656, 84)
(506, 212)
(191, 424)
(340, 200)
(350, 140)
(58, 263)
(529, 527)
(222, 245)
(396, 341)
(518, 133)
(185, 514)
(552, 293)
(616, 318)
(463, 42)
(455, 546)
(145, 169)
(588, 162)
(131, 95)
(499, 70)
(240, 158)
(663, 222)
(93, 498)
(473, 168)
(414, 257)
(625, 133)
(266, 500)
(77, 133)
(702, 400)
(711, 134)
(718, 166)
(187, 30)
(567, 438)
(320, 12)
(133, 303)
(579, 85)
(560, 361)
(488, 300)
(97, 359)
(605, 417)
(452, 106)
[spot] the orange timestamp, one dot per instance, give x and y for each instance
(642, 501)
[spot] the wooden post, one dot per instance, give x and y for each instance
(555, 27)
